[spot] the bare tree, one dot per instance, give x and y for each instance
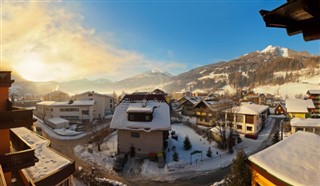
(97, 133)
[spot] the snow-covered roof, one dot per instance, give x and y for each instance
(135, 109)
(250, 108)
(193, 100)
(299, 105)
(57, 120)
(75, 103)
(49, 161)
(93, 93)
(160, 121)
(216, 105)
(314, 91)
(46, 103)
(294, 160)
(309, 122)
(68, 103)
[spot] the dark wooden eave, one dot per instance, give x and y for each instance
(296, 16)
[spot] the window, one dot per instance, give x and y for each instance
(85, 112)
(90, 94)
(135, 135)
(139, 117)
(239, 118)
(249, 128)
(239, 127)
(131, 117)
(249, 119)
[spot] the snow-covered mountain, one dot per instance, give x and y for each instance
(273, 66)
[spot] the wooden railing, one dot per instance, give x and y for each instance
(58, 176)
(17, 160)
(21, 157)
(16, 118)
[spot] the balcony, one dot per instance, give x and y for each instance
(21, 155)
(18, 117)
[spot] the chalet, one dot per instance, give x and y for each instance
(103, 104)
(207, 111)
(248, 117)
(299, 108)
(288, 162)
(280, 110)
(187, 104)
(142, 123)
(307, 125)
(23, 160)
(315, 96)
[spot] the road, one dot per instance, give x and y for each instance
(203, 179)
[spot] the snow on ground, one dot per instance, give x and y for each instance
(105, 157)
(55, 135)
(66, 132)
(182, 168)
(287, 90)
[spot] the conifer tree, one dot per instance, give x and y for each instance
(276, 137)
(175, 156)
(186, 143)
(240, 174)
(209, 152)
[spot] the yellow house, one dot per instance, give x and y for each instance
(288, 162)
(299, 108)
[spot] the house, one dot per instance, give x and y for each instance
(73, 111)
(299, 108)
(207, 110)
(288, 162)
(103, 104)
(315, 96)
(142, 123)
(307, 125)
(22, 162)
(248, 117)
(187, 104)
(280, 110)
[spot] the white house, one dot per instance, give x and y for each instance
(308, 125)
(73, 111)
(142, 123)
(103, 104)
(248, 117)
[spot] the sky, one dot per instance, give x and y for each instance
(65, 40)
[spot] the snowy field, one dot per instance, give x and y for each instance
(183, 168)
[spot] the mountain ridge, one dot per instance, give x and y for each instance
(249, 70)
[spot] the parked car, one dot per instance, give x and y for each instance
(120, 161)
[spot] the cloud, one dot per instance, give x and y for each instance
(48, 41)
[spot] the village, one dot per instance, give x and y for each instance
(159, 93)
(155, 136)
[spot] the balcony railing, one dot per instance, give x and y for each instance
(22, 155)
(18, 117)
(58, 176)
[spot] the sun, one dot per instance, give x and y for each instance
(32, 68)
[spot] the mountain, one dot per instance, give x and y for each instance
(270, 66)
(273, 66)
(144, 81)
